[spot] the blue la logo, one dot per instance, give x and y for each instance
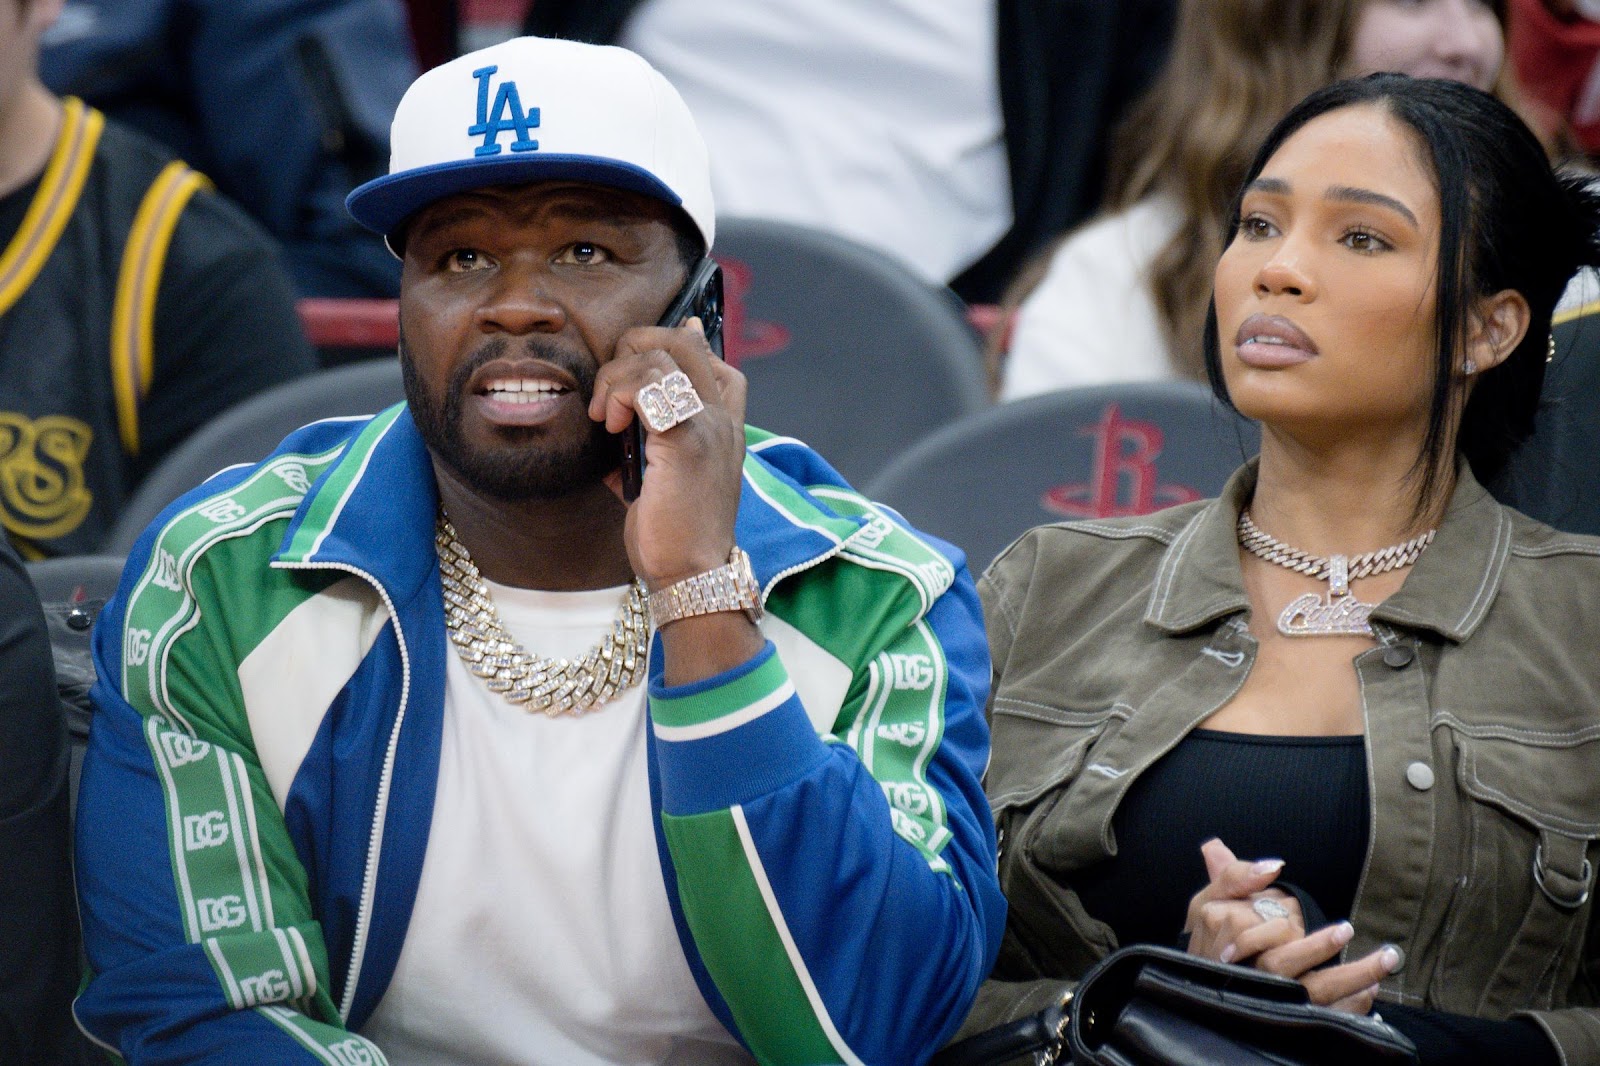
(492, 122)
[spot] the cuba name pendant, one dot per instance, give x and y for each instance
(1341, 614)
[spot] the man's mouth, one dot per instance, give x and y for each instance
(523, 390)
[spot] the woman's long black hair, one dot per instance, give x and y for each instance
(1507, 221)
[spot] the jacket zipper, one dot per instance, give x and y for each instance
(369, 877)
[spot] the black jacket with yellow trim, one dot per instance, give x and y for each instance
(135, 304)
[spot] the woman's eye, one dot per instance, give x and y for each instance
(584, 253)
(1255, 228)
(462, 260)
(1362, 241)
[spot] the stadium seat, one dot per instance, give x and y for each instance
(1104, 451)
(844, 348)
(1554, 476)
(73, 589)
(250, 430)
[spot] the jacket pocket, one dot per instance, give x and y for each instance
(1514, 937)
(1038, 750)
(1036, 747)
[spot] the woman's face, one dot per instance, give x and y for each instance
(1325, 295)
(1456, 39)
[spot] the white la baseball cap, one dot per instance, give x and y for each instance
(538, 109)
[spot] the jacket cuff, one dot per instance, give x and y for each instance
(1575, 1033)
(730, 738)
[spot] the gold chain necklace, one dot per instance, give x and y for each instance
(554, 686)
(1341, 614)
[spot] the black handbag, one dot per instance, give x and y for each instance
(1154, 1006)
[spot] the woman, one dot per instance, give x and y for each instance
(1426, 777)
(1124, 297)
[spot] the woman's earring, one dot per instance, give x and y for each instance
(1550, 350)
(1468, 367)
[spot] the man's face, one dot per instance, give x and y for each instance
(510, 300)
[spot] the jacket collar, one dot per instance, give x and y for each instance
(373, 509)
(1448, 591)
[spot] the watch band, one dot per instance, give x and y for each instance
(731, 587)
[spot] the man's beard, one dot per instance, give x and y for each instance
(533, 471)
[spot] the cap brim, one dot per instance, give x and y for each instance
(382, 204)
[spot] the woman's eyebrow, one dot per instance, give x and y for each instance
(1350, 194)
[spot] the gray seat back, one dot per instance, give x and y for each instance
(248, 431)
(1097, 452)
(843, 347)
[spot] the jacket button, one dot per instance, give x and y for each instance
(1420, 774)
(1397, 656)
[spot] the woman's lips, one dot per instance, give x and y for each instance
(1272, 341)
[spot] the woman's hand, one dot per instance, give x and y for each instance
(1224, 925)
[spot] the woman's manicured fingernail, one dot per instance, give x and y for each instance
(1228, 953)
(1267, 866)
(1343, 933)
(1388, 958)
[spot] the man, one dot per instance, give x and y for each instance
(959, 137)
(134, 305)
(317, 819)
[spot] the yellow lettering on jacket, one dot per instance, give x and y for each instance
(42, 492)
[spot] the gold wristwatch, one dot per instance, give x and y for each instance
(731, 587)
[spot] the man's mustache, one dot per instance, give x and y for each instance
(581, 367)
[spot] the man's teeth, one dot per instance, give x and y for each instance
(524, 391)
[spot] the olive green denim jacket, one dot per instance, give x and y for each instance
(1113, 639)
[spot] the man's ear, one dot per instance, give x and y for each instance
(1499, 323)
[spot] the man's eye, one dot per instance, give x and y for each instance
(584, 253)
(462, 260)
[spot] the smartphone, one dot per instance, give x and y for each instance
(701, 296)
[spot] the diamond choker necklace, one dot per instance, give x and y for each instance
(1341, 614)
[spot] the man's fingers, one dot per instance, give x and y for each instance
(1299, 956)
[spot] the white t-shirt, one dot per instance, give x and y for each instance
(880, 121)
(1092, 320)
(541, 931)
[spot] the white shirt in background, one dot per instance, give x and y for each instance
(876, 119)
(1093, 320)
(541, 931)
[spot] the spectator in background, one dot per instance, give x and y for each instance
(1124, 298)
(38, 921)
(285, 103)
(891, 122)
(135, 303)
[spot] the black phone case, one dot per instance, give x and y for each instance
(701, 296)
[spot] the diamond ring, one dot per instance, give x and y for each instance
(663, 404)
(1269, 909)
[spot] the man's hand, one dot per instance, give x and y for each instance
(1224, 925)
(682, 523)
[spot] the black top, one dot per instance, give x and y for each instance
(1300, 799)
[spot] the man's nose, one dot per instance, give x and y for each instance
(521, 302)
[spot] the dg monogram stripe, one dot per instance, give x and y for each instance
(330, 1045)
(257, 969)
(331, 498)
(161, 608)
(903, 727)
(216, 855)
